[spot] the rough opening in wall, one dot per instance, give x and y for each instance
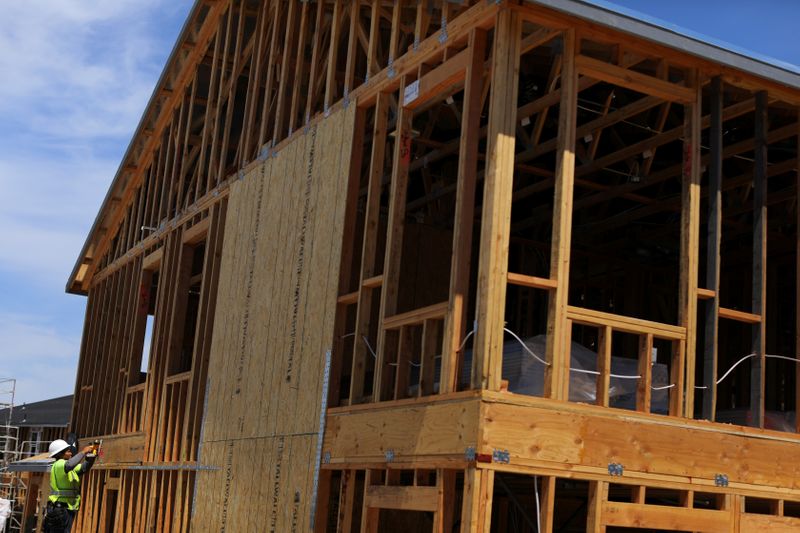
(148, 293)
(520, 503)
(189, 306)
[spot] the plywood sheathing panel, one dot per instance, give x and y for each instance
(275, 311)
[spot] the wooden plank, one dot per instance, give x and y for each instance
(773, 524)
(409, 427)
(557, 371)
(498, 185)
(394, 236)
(705, 294)
(759, 294)
(739, 316)
(797, 292)
(585, 438)
(713, 260)
(401, 498)
(603, 364)
(463, 220)
(666, 518)
(417, 316)
(682, 366)
(634, 80)
(532, 282)
(644, 390)
(625, 323)
(598, 494)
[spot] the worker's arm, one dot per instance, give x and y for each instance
(74, 461)
(87, 464)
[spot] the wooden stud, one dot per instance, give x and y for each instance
(498, 184)
(713, 252)
(757, 376)
(683, 360)
(558, 351)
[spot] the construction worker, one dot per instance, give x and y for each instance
(65, 483)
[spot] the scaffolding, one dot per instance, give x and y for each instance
(12, 487)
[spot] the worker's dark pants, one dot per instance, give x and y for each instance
(58, 519)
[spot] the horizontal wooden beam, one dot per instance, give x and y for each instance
(401, 498)
(435, 82)
(706, 294)
(739, 316)
(635, 81)
(580, 315)
(666, 518)
(417, 316)
(531, 281)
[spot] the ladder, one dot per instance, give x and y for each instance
(12, 487)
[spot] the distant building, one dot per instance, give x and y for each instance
(39, 423)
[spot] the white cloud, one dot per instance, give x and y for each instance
(42, 359)
(77, 75)
(80, 68)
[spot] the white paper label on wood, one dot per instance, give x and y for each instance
(411, 93)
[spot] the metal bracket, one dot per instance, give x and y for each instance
(389, 454)
(721, 480)
(264, 153)
(615, 469)
(416, 44)
(501, 456)
(326, 458)
(469, 453)
(346, 100)
(241, 175)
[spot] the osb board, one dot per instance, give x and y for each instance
(118, 449)
(274, 322)
(584, 437)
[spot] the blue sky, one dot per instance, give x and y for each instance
(77, 75)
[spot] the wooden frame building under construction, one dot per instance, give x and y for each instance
(446, 266)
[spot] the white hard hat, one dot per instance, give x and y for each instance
(57, 446)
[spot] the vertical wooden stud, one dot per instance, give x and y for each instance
(682, 367)
(710, 349)
(757, 382)
(557, 372)
(465, 213)
(498, 185)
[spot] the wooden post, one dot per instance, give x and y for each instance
(394, 234)
(476, 509)
(369, 248)
(598, 494)
(710, 349)
(603, 365)
(498, 184)
(644, 392)
(556, 382)
(547, 503)
(465, 213)
(759, 259)
(682, 367)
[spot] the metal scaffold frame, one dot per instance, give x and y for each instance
(12, 487)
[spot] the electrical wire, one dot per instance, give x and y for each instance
(538, 510)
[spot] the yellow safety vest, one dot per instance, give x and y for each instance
(65, 487)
